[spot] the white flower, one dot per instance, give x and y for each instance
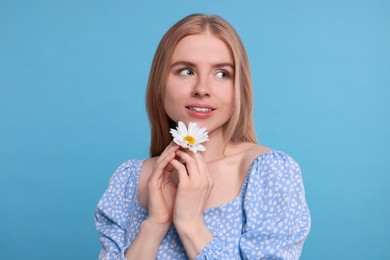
(190, 138)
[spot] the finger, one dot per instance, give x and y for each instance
(190, 163)
(181, 170)
(162, 162)
(201, 164)
(172, 147)
(169, 167)
(161, 165)
(203, 171)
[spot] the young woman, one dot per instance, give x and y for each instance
(235, 200)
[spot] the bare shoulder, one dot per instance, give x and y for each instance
(248, 152)
(254, 149)
(148, 165)
(229, 172)
(146, 171)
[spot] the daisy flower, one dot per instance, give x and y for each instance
(190, 138)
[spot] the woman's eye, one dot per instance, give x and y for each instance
(185, 72)
(222, 74)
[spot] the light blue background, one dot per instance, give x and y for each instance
(72, 84)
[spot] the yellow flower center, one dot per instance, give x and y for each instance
(190, 139)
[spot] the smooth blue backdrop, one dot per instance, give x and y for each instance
(72, 84)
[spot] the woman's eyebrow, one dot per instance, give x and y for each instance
(183, 63)
(191, 64)
(225, 64)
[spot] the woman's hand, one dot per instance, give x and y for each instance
(193, 190)
(161, 191)
(161, 196)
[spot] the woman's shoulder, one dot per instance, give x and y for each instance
(273, 165)
(255, 152)
(145, 172)
(149, 163)
(129, 168)
(261, 160)
(121, 185)
(147, 168)
(275, 172)
(130, 164)
(251, 151)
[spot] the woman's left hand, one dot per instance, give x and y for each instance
(193, 190)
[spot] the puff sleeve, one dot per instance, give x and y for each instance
(112, 213)
(277, 218)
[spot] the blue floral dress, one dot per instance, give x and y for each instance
(269, 219)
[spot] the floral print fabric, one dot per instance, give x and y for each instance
(269, 219)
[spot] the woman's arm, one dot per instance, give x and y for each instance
(195, 238)
(113, 211)
(277, 216)
(146, 244)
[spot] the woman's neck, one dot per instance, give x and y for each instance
(215, 147)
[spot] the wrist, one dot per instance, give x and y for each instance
(194, 238)
(188, 230)
(147, 241)
(189, 227)
(158, 230)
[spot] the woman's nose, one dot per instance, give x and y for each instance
(201, 88)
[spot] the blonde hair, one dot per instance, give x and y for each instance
(240, 127)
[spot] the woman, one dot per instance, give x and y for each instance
(235, 200)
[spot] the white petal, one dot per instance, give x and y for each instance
(197, 147)
(176, 135)
(177, 141)
(201, 148)
(173, 131)
(182, 129)
(203, 136)
(192, 129)
(193, 148)
(202, 130)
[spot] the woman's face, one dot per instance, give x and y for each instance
(200, 82)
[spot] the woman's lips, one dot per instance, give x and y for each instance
(200, 112)
(200, 109)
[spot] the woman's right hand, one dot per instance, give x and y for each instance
(161, 190)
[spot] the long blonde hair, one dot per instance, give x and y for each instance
(240, 127)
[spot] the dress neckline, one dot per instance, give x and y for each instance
(217, 207)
